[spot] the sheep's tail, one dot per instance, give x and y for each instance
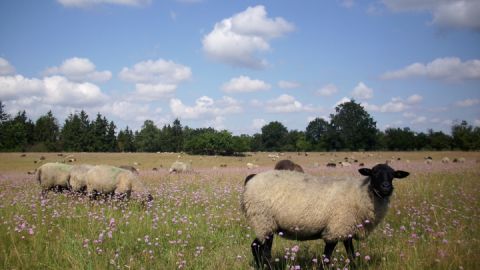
(248, 178)
(38, 176)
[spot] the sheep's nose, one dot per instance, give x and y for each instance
(386, 185)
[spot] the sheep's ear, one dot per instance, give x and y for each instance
(400, 174)
(365, 171)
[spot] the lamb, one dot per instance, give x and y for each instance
(178, 166)
(304, 207)
(53, 176)
(78, 178)
(288, 165)
(109, 180)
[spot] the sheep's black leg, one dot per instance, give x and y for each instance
(262, 252)
(350, 251)
(329, 247)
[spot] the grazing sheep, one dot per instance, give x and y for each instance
(428, 161)
(109, 180)
(345, 164)
(331, 165)
(180, 167)
(445, 160)
(53, 176)
(304, 207)
(251, 166)
(461, 160)
(78, 177)
(288, 165)
(129, 168)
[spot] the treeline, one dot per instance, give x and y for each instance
(350, 128)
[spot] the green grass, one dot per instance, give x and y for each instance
(195, 220)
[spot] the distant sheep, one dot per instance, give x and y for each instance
(251, 166)
(331, 165)
(180, 167)
(109, 180)
(345, 164)
(53, 176)
(78, 178)
(303, 207)
(288, 165)
(428, 161)
(445, 160)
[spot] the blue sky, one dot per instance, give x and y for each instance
(238, 65)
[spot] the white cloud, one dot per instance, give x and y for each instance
(217, 123)
(362, 91)
(409, 115)
(419, 120)
(158, 71)
(79, 69)
(327, 90)
(154, 91)
(445, 13)
(414, 99)
(284, 104)
(5, 67)
(61, 91)
(244, 84)
(239, 39)
(341, 101)
(395, 105)
(448, 68)
(476, 122)
(54, 90)
(205, 107)
(288, 84)
(468, 102)
(88, 3)
(347, 3)
(258, 123)
(15, 87)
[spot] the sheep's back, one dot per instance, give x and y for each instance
(54, 174)
(103, 178)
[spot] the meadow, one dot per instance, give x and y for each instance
(195, 220)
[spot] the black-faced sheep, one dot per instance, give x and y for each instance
(53, 176)
(304, 207)
(288, 165)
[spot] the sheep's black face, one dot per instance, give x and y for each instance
(381, 177)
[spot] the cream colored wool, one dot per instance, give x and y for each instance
(304, 207)
(179, 166)
(78, 176)
(50, 175)
(107, 179)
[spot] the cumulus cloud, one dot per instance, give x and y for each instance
(361, 91)
(445, 13)
(327, 90)
(395, 105)
(414, 99)
(419, 120)
(155, 79)
(258, 123)
(341, 101)
(205, 107)
(239, 39)
(288, 84)
(158, 71)
(54, 90)
(244, 84)
(5, 67)
(468, 102)
(89, 3)
(284, 104)
(79, 69)
(448, 68)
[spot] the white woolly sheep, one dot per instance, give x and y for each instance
(303, 207)
(180, 167)
(53, 176)
(445, 160)
(109, 180)
(78, 177)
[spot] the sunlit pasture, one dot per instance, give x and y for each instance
(195, 221)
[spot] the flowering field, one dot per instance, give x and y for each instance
(195, 220)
